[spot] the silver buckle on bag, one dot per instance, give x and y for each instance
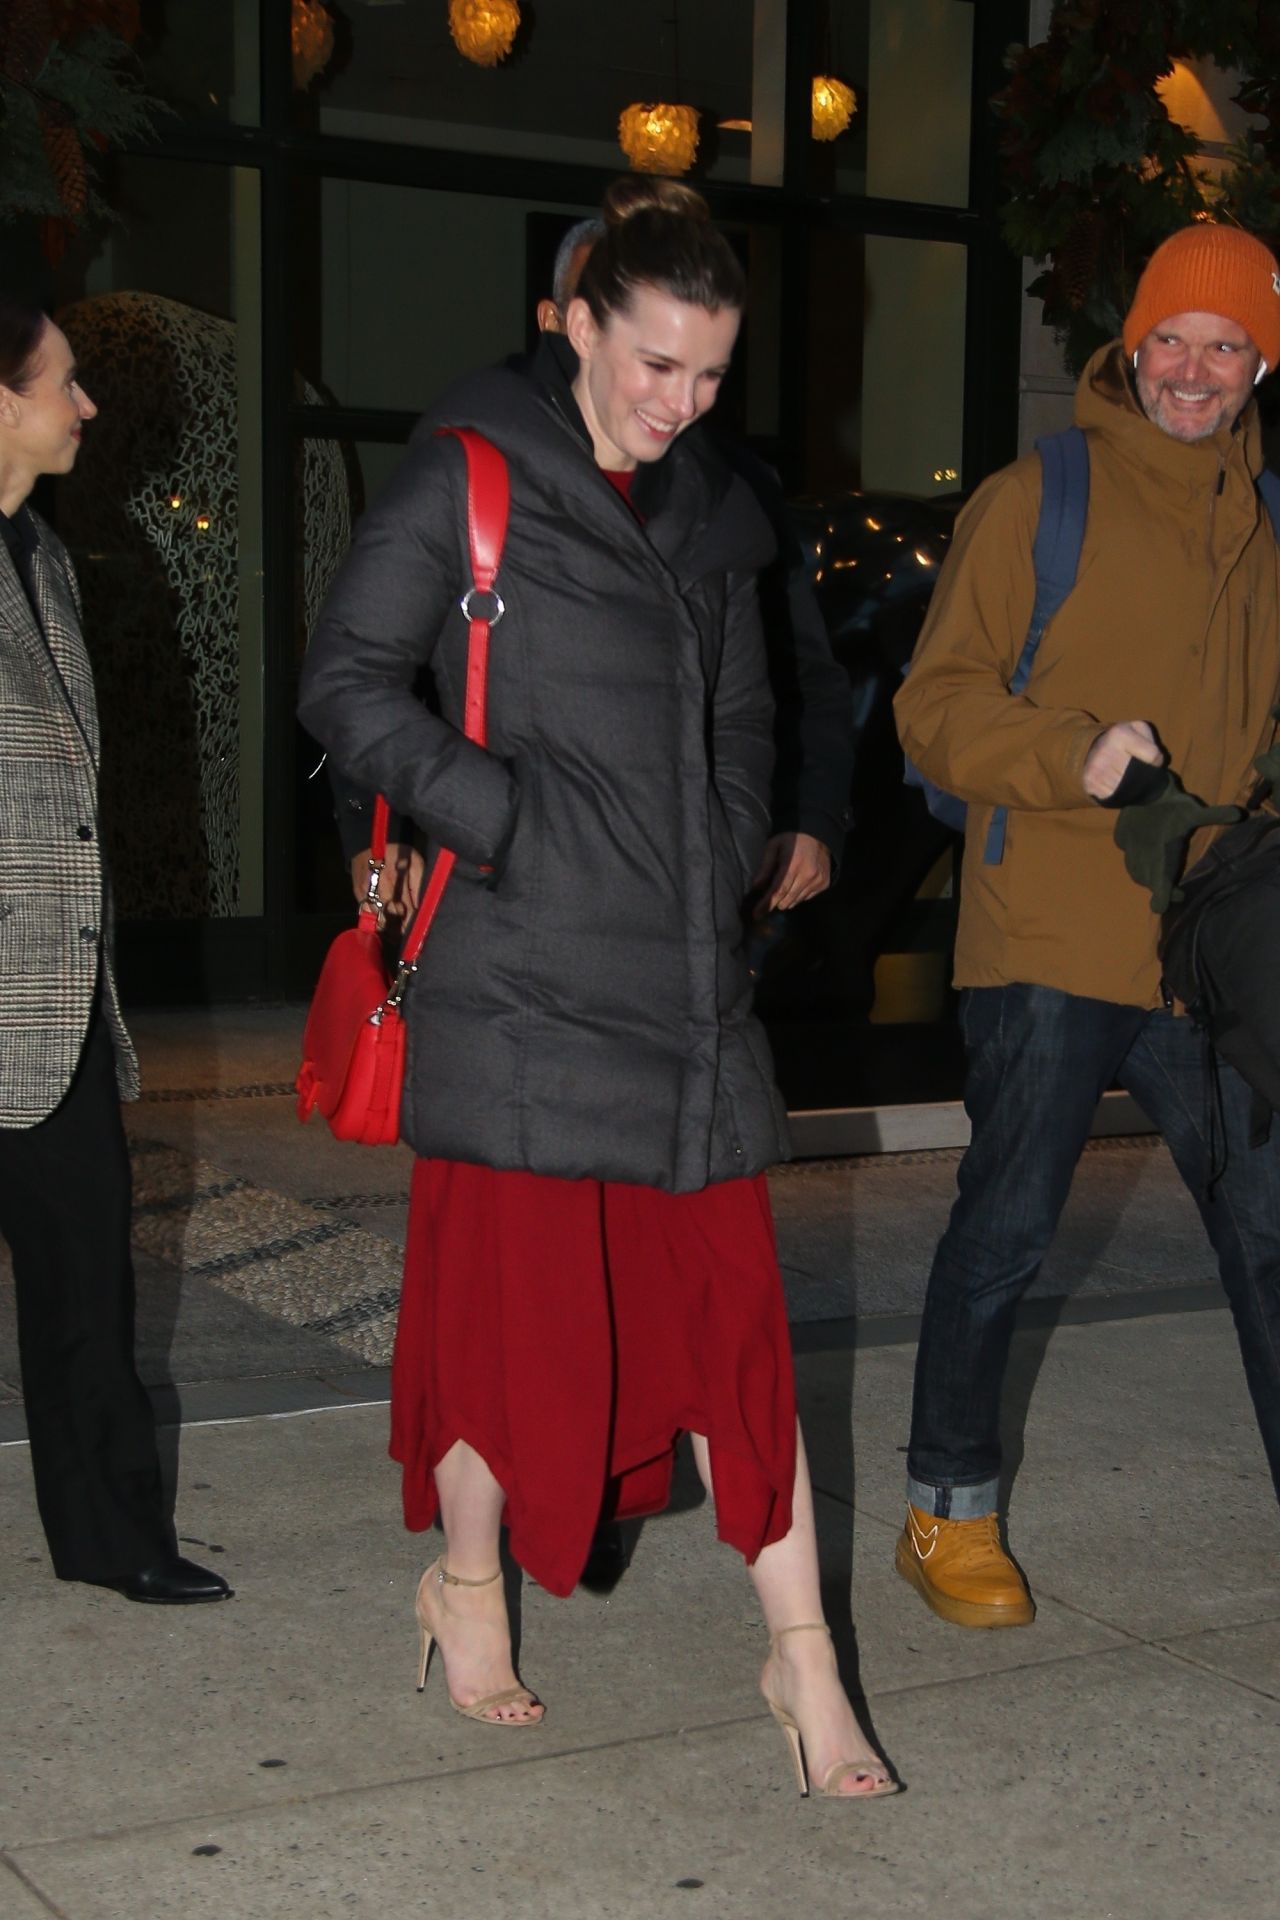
(372, 897)
(404, 973)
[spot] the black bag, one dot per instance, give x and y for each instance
(1220, 951)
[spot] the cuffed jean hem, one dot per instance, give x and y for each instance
(953, 1503)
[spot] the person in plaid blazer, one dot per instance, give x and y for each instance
(65, 1057)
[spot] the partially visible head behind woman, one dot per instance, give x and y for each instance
(21, 325)
(658, 233)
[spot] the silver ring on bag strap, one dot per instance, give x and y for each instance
(491, 619)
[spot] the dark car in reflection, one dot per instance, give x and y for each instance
(873, 559)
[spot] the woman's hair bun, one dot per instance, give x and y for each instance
(658, 233)
(644, 193)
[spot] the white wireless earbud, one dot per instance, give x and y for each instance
(1260, 374)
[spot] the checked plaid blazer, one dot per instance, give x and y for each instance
(54, 902)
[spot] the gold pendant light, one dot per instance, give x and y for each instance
(311, 31)
(484, 30)
(834, 106)
(659, 138)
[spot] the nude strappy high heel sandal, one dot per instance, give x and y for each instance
(481, 1709)
(840, 1770)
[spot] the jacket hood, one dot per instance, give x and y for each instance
(1107, 402)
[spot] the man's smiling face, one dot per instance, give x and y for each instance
(1194, 373)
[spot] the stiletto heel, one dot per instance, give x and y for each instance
(480, 1710)
(840, 1770)
(792, 1734)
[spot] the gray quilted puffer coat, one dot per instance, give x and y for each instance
(582, 1006)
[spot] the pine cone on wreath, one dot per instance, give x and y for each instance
(66, 163)
(1078, 258)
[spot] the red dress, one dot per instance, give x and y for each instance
(570, 1330)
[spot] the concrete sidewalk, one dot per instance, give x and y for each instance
(271, 1758)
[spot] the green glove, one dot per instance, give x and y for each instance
(1153, 835)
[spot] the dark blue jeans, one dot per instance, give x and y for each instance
(1038, 1062)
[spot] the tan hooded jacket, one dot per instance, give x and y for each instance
(1174, 619)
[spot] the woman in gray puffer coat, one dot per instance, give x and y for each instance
(590, 1266)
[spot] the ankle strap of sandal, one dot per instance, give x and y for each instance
(446, 1579)
(805, 1626)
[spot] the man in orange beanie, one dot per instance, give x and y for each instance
(1165, 652)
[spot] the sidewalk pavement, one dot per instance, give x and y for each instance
(269, 1759)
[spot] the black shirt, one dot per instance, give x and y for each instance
(19, 535)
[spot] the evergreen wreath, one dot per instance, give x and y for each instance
(69, 90)
(1096, 171)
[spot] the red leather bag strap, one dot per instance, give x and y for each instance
(378, 837)
(488, 509)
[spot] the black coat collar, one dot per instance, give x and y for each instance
(553, 370)
(19, 535)
(698, 515)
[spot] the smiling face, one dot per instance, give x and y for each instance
(648, 374)
(40, 424)
(1194, 373)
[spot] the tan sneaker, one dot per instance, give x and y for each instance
(959, 1568)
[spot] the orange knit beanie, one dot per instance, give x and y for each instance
(1206, 268)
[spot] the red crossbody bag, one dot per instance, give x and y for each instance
(353, 1043)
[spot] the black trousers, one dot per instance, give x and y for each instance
(65, 1197)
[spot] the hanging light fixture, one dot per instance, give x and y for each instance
(659, 138)
(834, 106)
(312, 34)
(483, 30)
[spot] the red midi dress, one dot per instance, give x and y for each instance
(570, 1331)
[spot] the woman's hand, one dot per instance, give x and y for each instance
(400, 886)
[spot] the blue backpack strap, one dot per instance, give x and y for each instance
(1055, 554)
(1269, 488)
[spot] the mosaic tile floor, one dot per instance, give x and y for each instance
(301, 1262)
